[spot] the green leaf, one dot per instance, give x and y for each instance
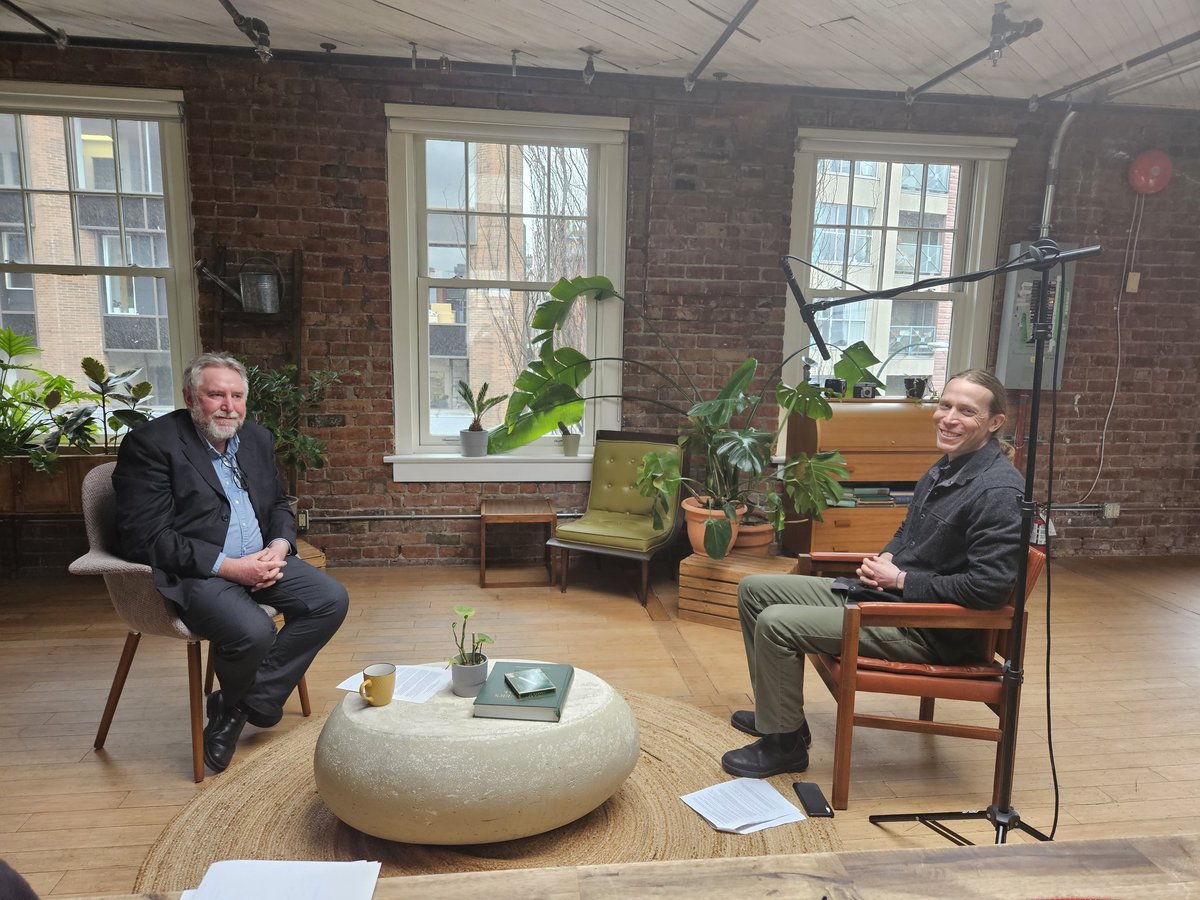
(730, 400)
(718, 531)
(463, 610)
(853, 366)
(94, 370)
(807, 400)
(13, 344)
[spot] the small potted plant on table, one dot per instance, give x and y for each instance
(468, 667)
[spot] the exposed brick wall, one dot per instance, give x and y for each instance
(292, 154)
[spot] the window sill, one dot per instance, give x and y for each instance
(442, 467)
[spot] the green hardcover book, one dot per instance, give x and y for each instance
(497, 700)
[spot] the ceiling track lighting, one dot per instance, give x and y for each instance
(514, 63)
(413, 44)
(444, 64)
(56, 34)
(255, 29)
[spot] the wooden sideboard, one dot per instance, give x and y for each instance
(884, 441)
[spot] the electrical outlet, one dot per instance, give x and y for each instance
(1112, 510)
(1132, 283)
(302, 520)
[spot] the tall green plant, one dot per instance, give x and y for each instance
(39, 412)
(110, 387)
(738, 456)
(278, 400)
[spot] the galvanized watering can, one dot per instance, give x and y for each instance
(259, 288)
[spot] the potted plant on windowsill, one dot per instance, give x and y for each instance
(738, 456)
(474, 439)
(468, 667)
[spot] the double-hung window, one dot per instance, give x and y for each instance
(875, 211)
(488, 210)
(95, 240)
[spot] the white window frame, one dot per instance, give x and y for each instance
(166, 108)
(542, 460)
(971, 321)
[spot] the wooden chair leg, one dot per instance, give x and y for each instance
(843, 743)
(302, 690)
(644, 589)
(926, 714)
(118, 685)
(208, 672)
(195, 702)
(564, 564)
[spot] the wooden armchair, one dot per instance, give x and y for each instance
(982, 682)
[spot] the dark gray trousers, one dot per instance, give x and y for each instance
(255, 665)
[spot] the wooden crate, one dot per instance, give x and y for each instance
(708, 587)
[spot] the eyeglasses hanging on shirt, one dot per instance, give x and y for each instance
(239, 477)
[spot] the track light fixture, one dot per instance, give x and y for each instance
(55, 34)
(514, 63)
(255, 29)
(589, 67)
(413, 44)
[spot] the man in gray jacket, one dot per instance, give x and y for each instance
(958, 544)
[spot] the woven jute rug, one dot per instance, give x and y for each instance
(266, 807)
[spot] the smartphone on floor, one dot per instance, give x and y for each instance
(812, 799)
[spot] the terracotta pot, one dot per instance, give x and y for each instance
(697, 517)
(754, 539)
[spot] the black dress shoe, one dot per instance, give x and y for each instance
(743, 720)
(216, 709)
(772, 754)
(221, 738)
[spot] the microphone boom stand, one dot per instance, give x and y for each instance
(1042, 256)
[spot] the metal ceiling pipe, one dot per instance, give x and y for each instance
(57, 34)
(1152, 79)
(1000, 39)
(255, 29)
(1052, 173)
(1036, 100)
(689, 80)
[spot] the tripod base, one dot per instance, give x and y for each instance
(1003, 820)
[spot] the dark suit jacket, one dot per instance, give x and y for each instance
(172, 513)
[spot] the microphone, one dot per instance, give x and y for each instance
(806, 312)
(1044, 254)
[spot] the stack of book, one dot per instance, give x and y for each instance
(522, 690)
(873, 496)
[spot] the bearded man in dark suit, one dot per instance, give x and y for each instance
(200, 501)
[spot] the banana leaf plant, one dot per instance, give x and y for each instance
(738, 456)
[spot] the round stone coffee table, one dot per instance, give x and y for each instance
(432, 773)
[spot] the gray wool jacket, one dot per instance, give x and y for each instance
(960, 540)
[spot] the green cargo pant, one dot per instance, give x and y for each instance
(785, 616)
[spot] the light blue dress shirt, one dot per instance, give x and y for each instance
(244, 537)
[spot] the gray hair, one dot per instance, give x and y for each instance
(194, 372)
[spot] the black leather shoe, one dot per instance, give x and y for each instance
(258, 720)
(222, 736)
(767, 756)
(216, 710)
(743, 720)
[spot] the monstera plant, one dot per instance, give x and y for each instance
(738, 466)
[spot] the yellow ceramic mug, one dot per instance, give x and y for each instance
(379, 683)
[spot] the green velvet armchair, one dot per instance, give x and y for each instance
(618, 520)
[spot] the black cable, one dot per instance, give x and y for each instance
(1054, 375)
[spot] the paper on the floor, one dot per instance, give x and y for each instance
(236, 879)
(416, 684)
(742, 806)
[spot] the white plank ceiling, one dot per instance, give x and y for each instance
(867, 45)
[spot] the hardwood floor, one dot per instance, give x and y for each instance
(1125, 671)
